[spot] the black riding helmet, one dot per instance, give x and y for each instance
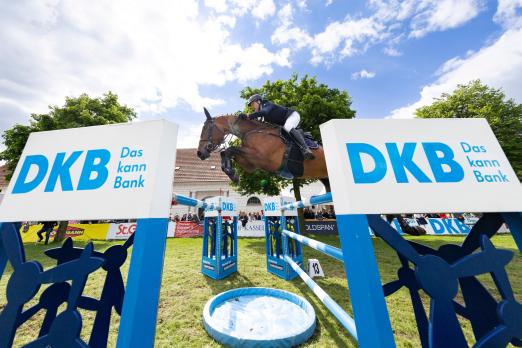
(253, 98)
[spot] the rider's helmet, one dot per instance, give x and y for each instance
(253, 98)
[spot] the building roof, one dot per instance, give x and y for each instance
(189, 168)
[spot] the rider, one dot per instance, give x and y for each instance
(282, 116)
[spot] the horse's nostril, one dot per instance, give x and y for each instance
(199, 154)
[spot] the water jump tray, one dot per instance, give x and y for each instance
(259, 317)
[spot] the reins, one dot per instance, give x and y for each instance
(211, 147)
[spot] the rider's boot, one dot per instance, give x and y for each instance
(301, 143)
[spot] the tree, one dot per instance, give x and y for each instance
(477, 100)
(316, 104)
(82, 111)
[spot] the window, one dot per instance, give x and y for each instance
(212, 167)
(253, 201)
(177, 168)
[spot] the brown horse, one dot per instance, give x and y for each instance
(262, 147)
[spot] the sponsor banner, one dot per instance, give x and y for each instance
(320, 227)
(433, 227)
(186, 229)
(254, 228)
(121, 231)
(450, 226)
(437, 226)
(418, 166)
(104, 172)
(76, 231)
(124, 230)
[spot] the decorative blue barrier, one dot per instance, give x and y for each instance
(219, 254)
(437, 272)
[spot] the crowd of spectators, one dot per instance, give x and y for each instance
(319, 214)
(187, 217)
(245, 217)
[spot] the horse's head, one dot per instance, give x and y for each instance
(212, 136)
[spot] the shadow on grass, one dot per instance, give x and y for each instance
(235, 280)
(336, 332)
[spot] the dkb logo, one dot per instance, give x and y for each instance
(95, 164)
(440, 158)
(227, 206)
(270, 206)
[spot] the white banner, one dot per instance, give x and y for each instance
(418, 166)
(105, 172)
(254, 228)
(124, 230)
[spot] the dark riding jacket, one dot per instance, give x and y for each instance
(272, 113)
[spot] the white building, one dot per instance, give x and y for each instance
(203, 179)
(3, 182)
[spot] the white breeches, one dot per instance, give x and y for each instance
(292, 121)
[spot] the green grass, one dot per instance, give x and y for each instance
(185, 291)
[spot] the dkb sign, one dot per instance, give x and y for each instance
(102, 172)
(408, 166)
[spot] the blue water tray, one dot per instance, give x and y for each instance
(259, 317)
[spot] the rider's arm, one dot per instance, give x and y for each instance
(265, 110)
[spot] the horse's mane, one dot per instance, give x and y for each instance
(255, 122)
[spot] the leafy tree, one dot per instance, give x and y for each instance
(82, 111)
(316, 104)
(477, 100)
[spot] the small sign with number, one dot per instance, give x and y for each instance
(314, 268)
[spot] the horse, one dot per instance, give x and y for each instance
(262, 147)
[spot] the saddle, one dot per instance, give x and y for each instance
(292, 164)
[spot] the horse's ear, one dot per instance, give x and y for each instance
(207, 113)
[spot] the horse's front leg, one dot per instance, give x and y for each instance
(226, 164)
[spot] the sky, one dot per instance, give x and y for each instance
(168, 59)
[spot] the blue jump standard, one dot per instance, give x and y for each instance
(219, 249)
(372, 327)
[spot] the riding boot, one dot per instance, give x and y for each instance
(301, 143)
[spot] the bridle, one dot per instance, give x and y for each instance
(211, 147)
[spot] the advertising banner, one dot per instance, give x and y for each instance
(121, 231)
(124, 230)
(185, 229)
(418, 166)
(254, 228)
(117, 171)
(320, 226)
(82, 232)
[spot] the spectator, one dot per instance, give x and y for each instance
(244, 220)
(47, 227)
